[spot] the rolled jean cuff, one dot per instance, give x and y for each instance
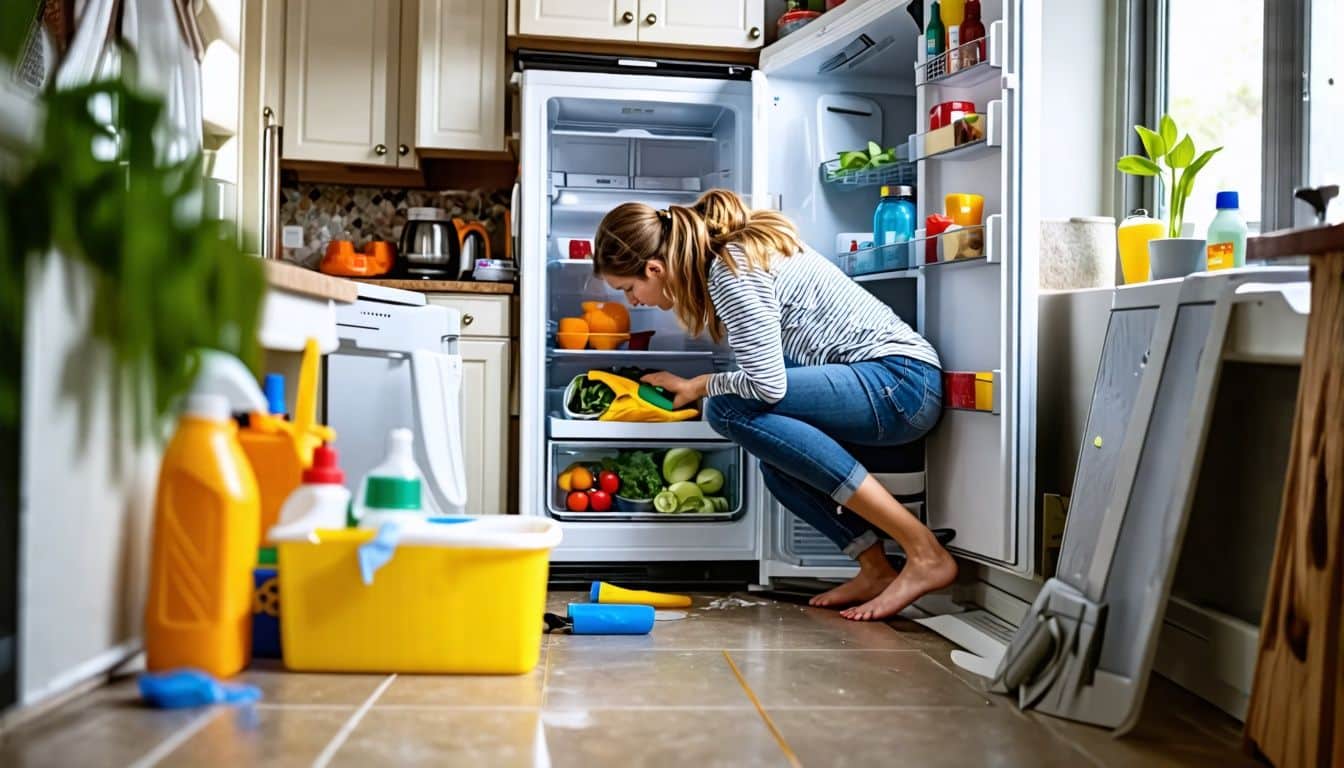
(849, 485)
(860, 545)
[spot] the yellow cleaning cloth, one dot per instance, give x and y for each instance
(629, 406)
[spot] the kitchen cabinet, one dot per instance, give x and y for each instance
(486, 385)
(585, 19)
(691, 23)
(459, 94)
(713, 23)
(342, 81)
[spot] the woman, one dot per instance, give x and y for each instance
(822, 365)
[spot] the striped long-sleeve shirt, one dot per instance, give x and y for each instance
(804, 309)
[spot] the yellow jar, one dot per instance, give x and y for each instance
(1132, 238)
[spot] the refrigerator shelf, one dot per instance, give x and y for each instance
(902, 260)
(970, 151)
(629, 354)
(575, 429)
(891, 175)
(934, 71)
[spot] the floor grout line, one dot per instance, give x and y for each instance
(789, 754)
(342, 735)
(177, 739)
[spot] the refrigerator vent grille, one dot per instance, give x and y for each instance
(809, 545)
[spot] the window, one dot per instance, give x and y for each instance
(1325, 155)
(1214, 79)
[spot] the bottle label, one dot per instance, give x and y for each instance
(1221, 256)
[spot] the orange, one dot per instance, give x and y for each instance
(580, 479)
(572, 333)
(599, 321)
(620, 314)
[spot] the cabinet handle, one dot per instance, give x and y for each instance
(403, 150)
(755, 33)
(380, 149)
(651, 19)
(627, 17)
(468, 319)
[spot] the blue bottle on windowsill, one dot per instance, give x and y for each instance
(894, 224)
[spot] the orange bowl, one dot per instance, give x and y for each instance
(572, 333)
(573, 325)
(607, 341)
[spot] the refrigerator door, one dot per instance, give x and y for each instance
(574, 126)
(980, 309)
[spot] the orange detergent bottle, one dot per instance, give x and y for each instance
(207, 518)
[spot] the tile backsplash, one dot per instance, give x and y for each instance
(329, 212)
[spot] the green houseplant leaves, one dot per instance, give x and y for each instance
(166, 282)
(1178, 156)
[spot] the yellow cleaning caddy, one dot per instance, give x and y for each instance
(457, 595)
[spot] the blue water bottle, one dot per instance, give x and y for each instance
(894, 224)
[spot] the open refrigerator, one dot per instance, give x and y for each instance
(597, 132)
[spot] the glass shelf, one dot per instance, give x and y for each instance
(969, 151)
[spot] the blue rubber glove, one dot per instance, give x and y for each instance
(378, 551)
(192, 688)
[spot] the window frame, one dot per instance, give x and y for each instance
(1141, 32)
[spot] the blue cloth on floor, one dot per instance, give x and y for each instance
(192, 688)
(378, 551)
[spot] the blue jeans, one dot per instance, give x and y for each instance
(804, 442)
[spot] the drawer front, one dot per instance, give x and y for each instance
(481, 315)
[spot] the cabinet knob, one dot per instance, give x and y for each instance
(651, 19)
(468, 319)
(755, 33)
(380, 149)
(627, 17)
(403, 150)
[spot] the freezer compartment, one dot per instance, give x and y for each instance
(728, 458)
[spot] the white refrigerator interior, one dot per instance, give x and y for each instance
(593, 140)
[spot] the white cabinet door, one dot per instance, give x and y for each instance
(341, 71)
(485, 423)
(716, 23)
(460, 96)
(585, 19)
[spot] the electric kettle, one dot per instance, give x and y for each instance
(435, 246)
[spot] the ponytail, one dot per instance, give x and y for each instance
(688, 239)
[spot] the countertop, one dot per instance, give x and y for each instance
(445, 286)
(306, 282)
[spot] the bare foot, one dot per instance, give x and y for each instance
(918, 578)
(875, 573)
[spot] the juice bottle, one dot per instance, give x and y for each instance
(953, 12)
(972, 29)
(1227, 234)
(1132, 238)
(207, 519)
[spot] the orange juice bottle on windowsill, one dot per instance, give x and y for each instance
(1132, 238)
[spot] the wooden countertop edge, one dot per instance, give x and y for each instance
(444, 286)
(1313, 241)
(295, 279)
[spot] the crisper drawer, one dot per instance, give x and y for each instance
(727, 458)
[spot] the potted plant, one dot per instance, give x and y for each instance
(1173, 255)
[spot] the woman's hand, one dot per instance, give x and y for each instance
(684, 391)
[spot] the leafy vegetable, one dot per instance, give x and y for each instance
(591, 397)
(640, 479)
(874, 156)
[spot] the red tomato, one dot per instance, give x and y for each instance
(609, 481)
(600, 500)
(577, 502)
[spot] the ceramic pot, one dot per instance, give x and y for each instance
(1172, 257)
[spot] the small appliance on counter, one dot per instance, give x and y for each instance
(343, 260)
(435, 246)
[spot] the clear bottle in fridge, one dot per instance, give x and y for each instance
(893, 225)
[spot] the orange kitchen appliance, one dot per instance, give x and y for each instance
(343, 260)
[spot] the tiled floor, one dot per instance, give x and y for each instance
(764, 684)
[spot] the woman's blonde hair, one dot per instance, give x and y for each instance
(687, 239)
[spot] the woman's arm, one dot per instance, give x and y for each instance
(750, 311)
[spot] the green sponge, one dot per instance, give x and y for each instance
(656, 396)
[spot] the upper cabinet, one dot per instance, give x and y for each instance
(691, 23)
(586, 19)
(460, 91)
(342, 81)
(715, 23)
